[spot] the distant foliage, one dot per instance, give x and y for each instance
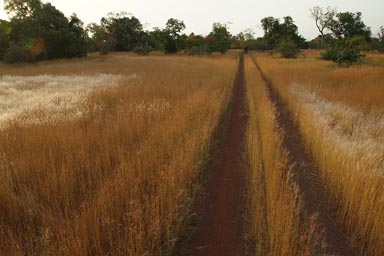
(349, 34)
(219, 40)
(117, 32)
(199, 50)
(381, 39)
(18, 53)
(143, 50)
(343, 51)
(323, 19)
(275, 32)
(282, 37)
(258, 44)
(288, 49)
(196, 45)
(40, 31)
(5, 29)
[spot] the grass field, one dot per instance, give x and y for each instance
(110, 155)
(340, 114)
(112, 170)
(275, 223)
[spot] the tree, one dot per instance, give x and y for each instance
(347, 25)
(287, 48)
(271, 27)
(249, 34)
(380, 38)
(40, 31)
(241, 40)
(98, 40)
(5, 30)
(172, 37)
(349, 32)
(119, 32)
(174, 27)
(282, 36)
(21, 9)
(156, 39)
(323, 19)
(381, 34)
(219, 39)
(343, 51)
(196, 44)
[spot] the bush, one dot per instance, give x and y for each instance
(258, 45)
(288, 49)
(198, 50)
(170, 45)
(143, 50)
(343, 51)
(18, 53)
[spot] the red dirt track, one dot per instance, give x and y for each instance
(222, 229)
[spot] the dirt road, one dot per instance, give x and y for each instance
(222, 229)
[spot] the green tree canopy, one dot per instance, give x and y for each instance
(173, 39)
(348, 24)
(275, 32)
(40, 31)
(349, 32)
(219, 39)
(122, 31)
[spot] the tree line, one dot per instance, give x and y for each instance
(38, 31)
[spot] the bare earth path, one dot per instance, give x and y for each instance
(222, 229)
(307, 178)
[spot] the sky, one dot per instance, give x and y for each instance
(199, 15)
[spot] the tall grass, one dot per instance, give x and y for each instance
(58, 96)
(275, 222)
(344, 134)
(119, 180)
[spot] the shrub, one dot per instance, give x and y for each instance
(170, 45)
(18, 53)
(288, 49)
(198, 50)
(343, 51)
(143, 50)
(258, 44)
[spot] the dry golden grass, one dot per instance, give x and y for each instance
(340, 113)
(120, 179)
(275, 223)
(360, 86)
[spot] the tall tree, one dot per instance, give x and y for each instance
(21, 9)
(174, 27)
(381, 34)
(172, 35)
(348, 24)
(323, 19)
(349, 32)
(271, 27)
(123, 31)
(40, 31)
(275, 32)
(220, 38)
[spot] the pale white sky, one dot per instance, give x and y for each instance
(199, 15)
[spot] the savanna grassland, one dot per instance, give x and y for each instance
(339, 113)
(274, 205)
(103, 156)
(113, 155)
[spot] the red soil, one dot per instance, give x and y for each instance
(222, 229)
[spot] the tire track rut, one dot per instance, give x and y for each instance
(307, 178)
(222, 229)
